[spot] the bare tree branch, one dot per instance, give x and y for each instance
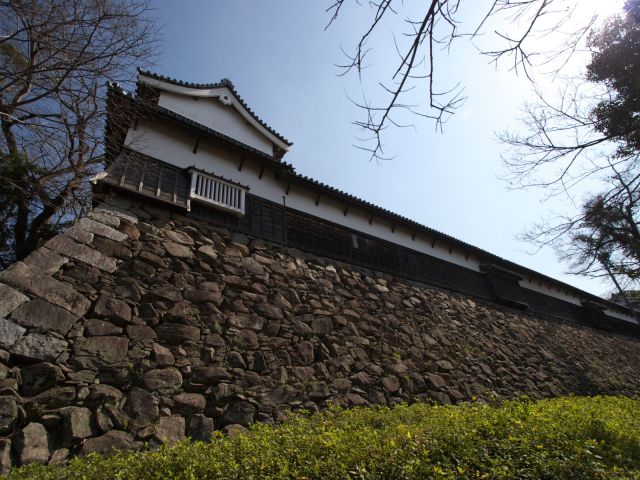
(518, 24)
(56, 58)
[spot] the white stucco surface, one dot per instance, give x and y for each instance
(212, 113)
(176, 147)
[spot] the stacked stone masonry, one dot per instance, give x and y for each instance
(139, 326)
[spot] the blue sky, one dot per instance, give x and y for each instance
(282, 61)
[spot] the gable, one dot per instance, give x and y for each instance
(222, 117)
(217, 106)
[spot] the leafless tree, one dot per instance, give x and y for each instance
(561, 144)
(589, 131)
(603, 238)
(506, 31)
(56, 57)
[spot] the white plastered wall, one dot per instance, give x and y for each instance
(212, 113)
(175, 146)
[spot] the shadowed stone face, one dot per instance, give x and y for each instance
(11, 299)
(44, 317)
(34, 281)
(198, 329)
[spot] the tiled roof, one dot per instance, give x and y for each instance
(225, 82)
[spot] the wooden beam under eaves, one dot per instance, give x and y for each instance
(318, 198)
(261, 172)
(241, 164)
(288, 188)
(346, 209)
(413, 235)
(370, 219)
(195, 147)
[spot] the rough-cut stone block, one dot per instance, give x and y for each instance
(46, 260)
(130, 230)
(170, 429)
(33, 280)
(8, 413)
(233, 430)
(64, 245)
(200, 428)
(112, 308)
(59, 457)
(242, 413)
(210, 375)
(163, 380)
(177, 250)
(120, 419)
(321, 325)
(189, 403)
(10, 333)
(109, 443)
(10, 299)
(32, 444)
(105, 218)
(305, 353)
(6, 458)
(269, 311)
(111, 248)
(203, 296)
(436, 381)
(116, 211)
(36, 346)
(141, 333)
(391, 383)
(52, 399)
(97, 352)
(251, 322)
(43, 316)
(445, 365)
(102, 229)
(101, 393)
(100, 328)
(208, 252)
(318, 391)
(162, 355)
(142, 406)
(104, 423)
(177, 334)
(179, 237)
(79, 234)
(40, 377)
(170, 294)
(152, 258)
(235, 360)
(77, 424)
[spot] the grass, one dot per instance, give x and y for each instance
(563, 438)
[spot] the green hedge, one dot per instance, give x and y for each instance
(574, 437)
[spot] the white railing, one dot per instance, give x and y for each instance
(215, 191)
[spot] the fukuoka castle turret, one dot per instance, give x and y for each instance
(200, 150)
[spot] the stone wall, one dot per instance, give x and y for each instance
(139, 325)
